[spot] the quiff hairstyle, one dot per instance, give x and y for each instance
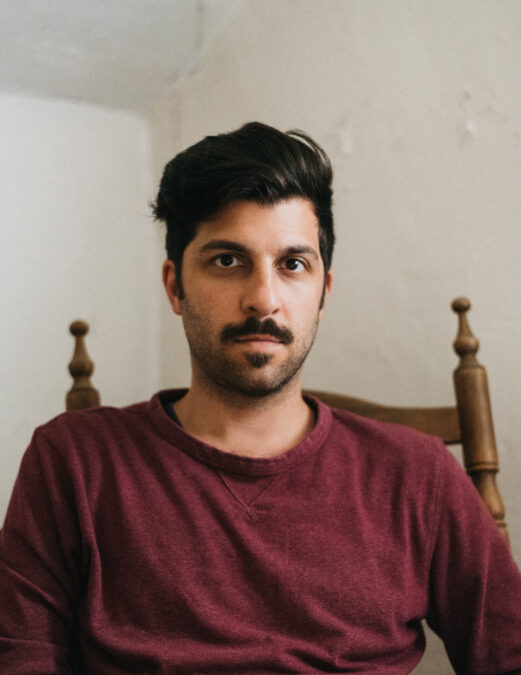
(256, 163)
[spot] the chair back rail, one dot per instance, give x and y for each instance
(442, 422)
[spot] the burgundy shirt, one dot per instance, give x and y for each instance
(131, 547)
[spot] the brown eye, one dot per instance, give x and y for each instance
(226, 260)
(293, 265)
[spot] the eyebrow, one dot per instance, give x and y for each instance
(220, 244)
(229, 245)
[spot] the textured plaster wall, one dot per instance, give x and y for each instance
(419, 105)
(76, 242)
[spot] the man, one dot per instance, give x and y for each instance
(239, 527)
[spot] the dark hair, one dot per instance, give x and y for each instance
(254, 163)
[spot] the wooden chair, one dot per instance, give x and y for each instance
(468, 422)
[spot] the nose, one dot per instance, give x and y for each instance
(260, 296)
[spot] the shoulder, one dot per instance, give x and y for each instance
(93, 421)
(96, 434)
(393, 458)
(105, 432)
(86, 448)
(397, 474)
(392, 442)
(404, 459)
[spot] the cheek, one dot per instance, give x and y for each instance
(215, 306)
(304, 314)
(303, 302)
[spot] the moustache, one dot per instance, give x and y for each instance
(253, 326)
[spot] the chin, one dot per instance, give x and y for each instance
(258, 359)
(257, 387)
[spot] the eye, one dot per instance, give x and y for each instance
(226, 260)
(293, 264)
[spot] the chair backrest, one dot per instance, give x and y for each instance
(468, 422)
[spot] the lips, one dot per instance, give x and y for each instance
(257, 338)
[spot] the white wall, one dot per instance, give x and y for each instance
(419, 105)
(76, 241)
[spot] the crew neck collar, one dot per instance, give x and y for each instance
(251, 466)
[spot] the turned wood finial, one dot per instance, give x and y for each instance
(466, 345)
(82, 394)
(475, 417)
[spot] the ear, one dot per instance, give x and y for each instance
(327, 289)
(171, 285)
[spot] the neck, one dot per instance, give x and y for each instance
(254, 427)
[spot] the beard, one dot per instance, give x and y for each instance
(249, 374)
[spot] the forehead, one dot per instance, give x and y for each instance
(286, 223)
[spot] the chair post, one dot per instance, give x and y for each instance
(82, 394)
(475, 416)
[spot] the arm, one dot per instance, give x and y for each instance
(39, 566)
(475, 601)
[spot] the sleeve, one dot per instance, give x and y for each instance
(39, 566)
(475, 585)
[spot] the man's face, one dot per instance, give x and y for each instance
(253, 281)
